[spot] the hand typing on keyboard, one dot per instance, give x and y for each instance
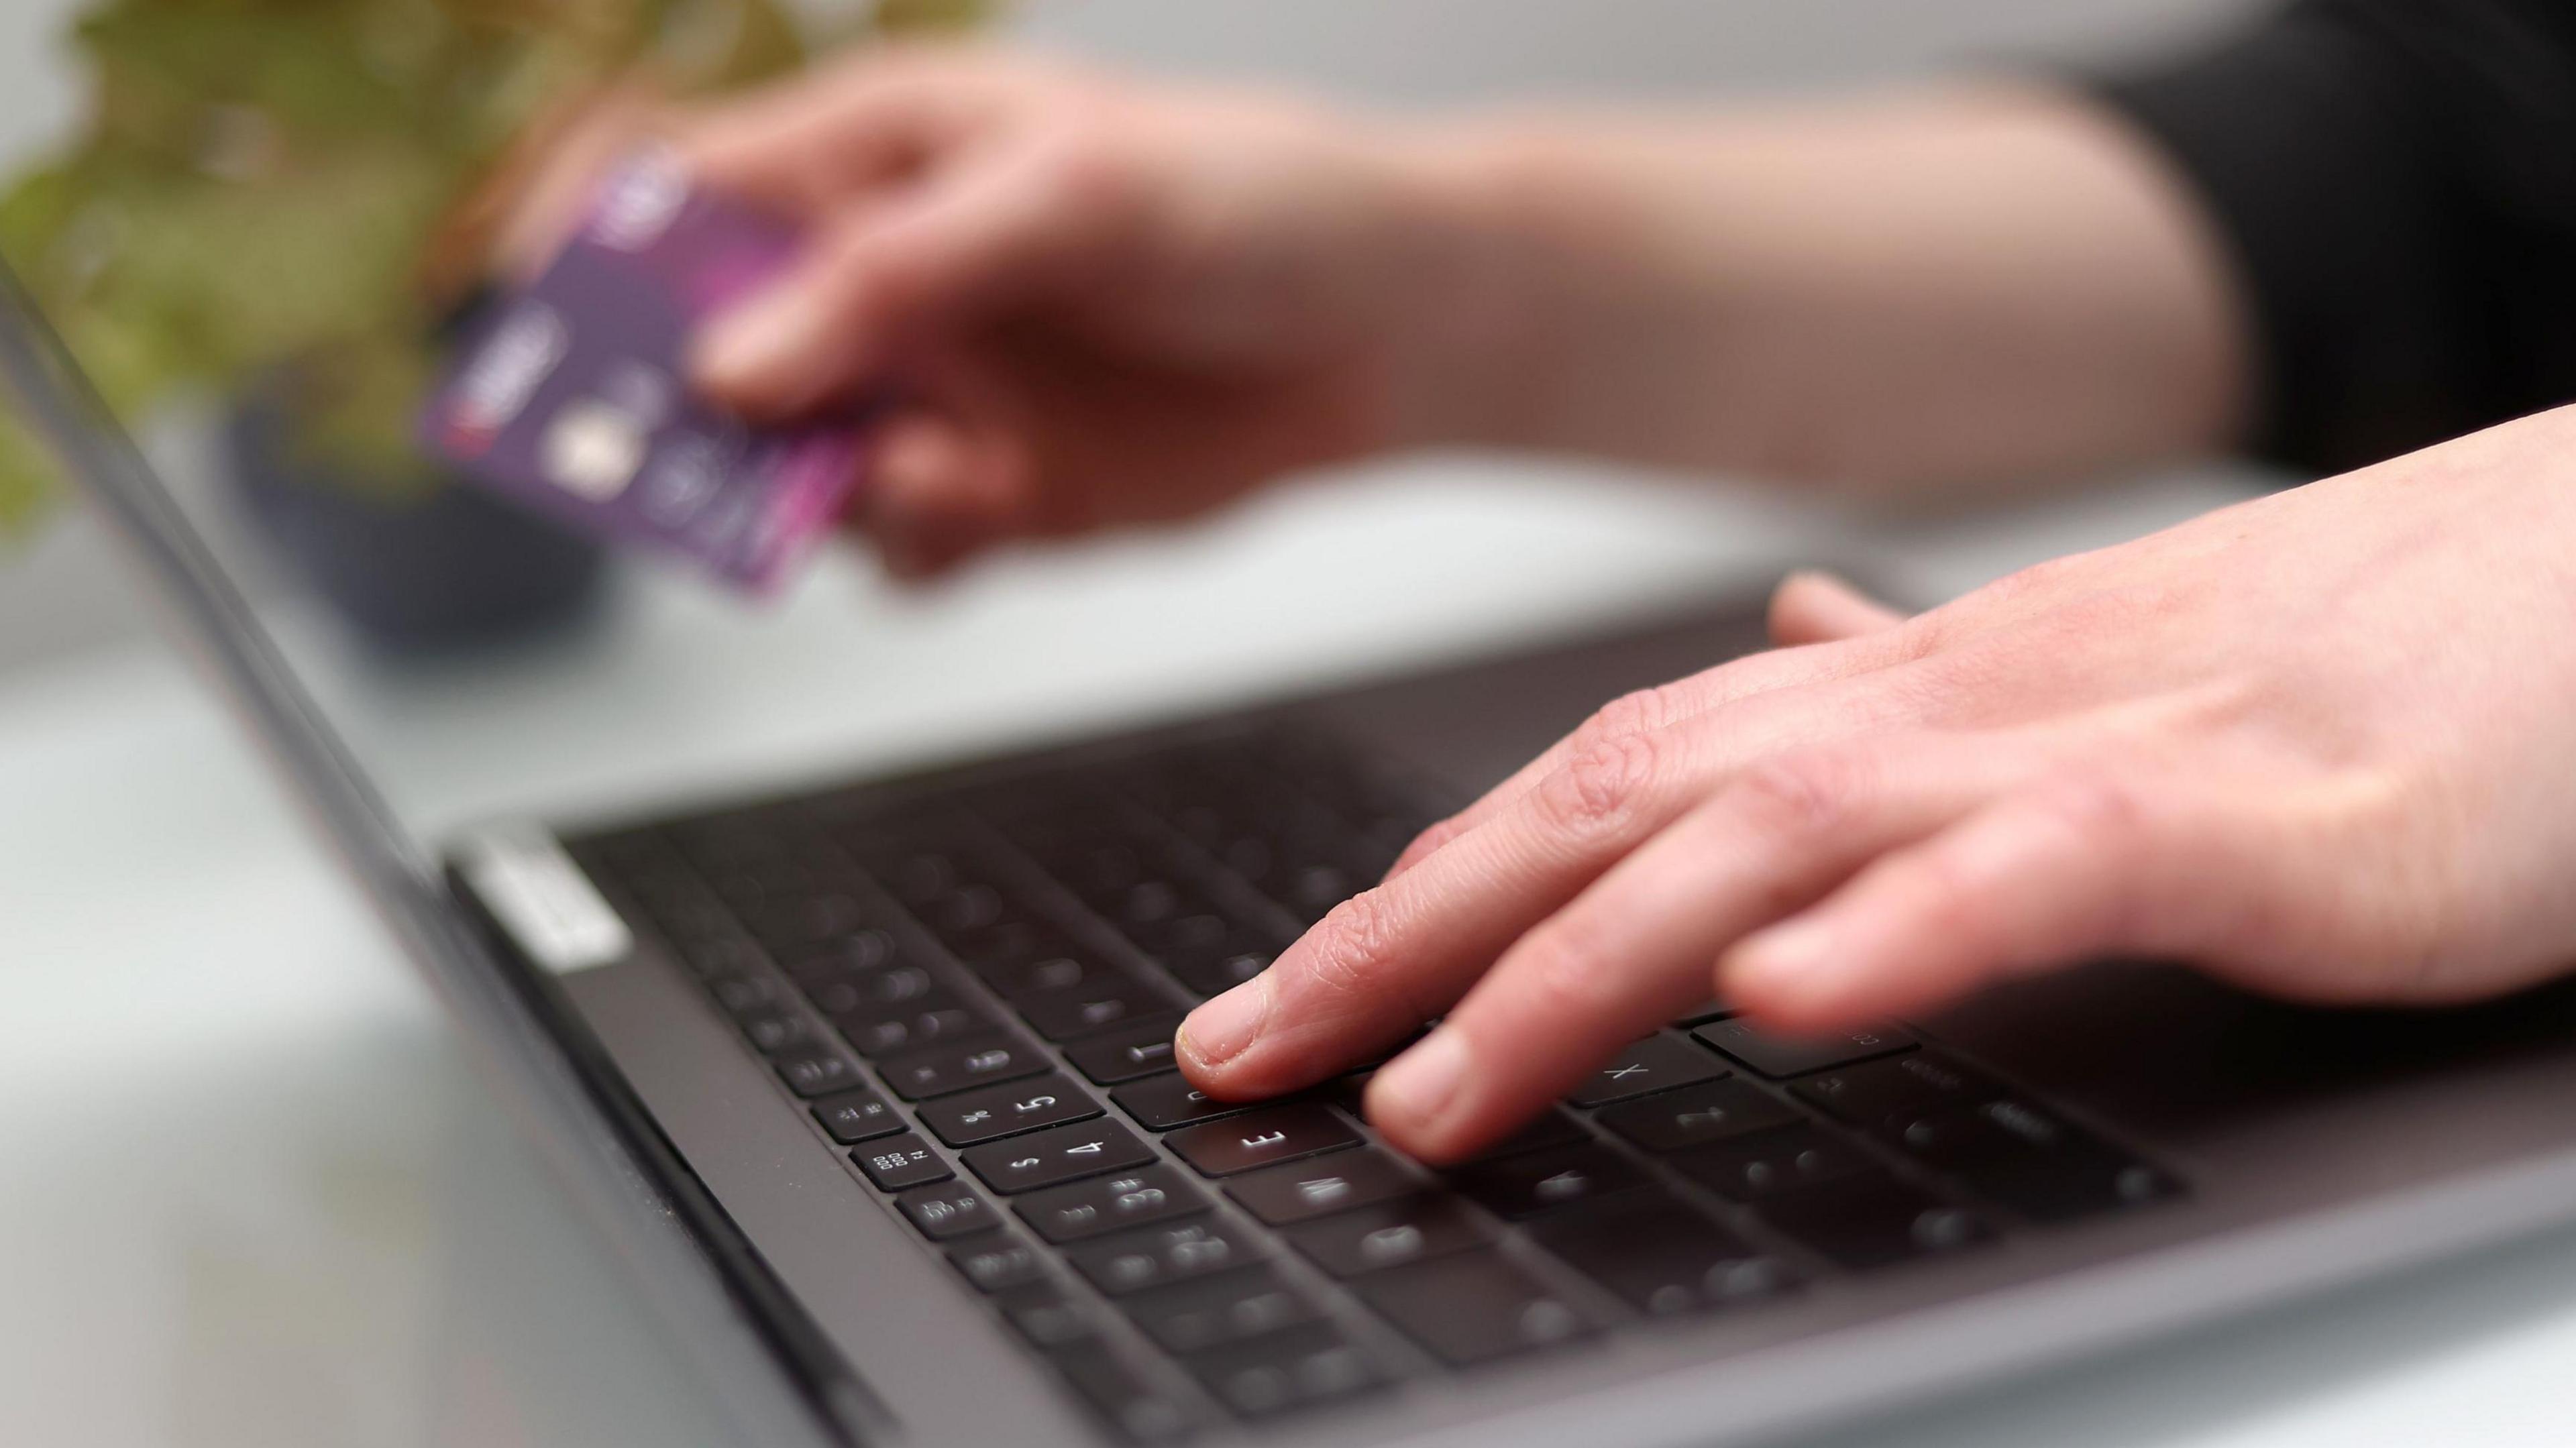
(2314, 742)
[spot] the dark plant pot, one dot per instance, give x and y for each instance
(441, 571)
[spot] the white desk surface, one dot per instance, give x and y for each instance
(249, 1194)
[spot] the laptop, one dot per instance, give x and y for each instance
(869, 1081)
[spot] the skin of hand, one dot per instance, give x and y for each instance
(1100, 303)
(1104, 301)
(2314, 743)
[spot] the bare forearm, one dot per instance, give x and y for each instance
(1913, 297)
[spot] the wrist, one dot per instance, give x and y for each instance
(1483, 321)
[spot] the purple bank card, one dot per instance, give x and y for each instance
(571, 396)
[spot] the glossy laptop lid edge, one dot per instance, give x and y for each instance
(635, 1198)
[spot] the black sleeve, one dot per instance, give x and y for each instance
(2398, 181)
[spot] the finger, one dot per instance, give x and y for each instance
(1662, 707)
(1391, 957)
(935, 494)
(963, 247)
(2046, 879)
(1637, 946)
(1818, 608)
(807, 147)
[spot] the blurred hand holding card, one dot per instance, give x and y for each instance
(571, 397)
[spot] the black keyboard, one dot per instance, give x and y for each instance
(973, 987)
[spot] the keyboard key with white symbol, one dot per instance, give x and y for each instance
(947, 1211)
(1262, 1138)
(1389, 1234)
(1057, 1154)
(1657, 1063)
(1472, 1307)
(1128, 1053)
(1211, 1311)
(1111, 1203)
(1169, 1252)
(1335, 1182)
(1779, 1056)
(1522, 1186)
(995, 1111)
(1160, 1103)
(1697, 1115)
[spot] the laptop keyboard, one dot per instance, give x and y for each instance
(973, 989)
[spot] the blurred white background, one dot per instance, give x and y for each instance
(65, 591)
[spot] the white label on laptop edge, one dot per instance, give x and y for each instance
(548, 905)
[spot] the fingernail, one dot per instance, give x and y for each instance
(1419, 1085)
(756, 337)
(1218, 1031)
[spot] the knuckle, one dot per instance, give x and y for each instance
(2097, 812)
(1086, 165)
(1567, 978)
(1349, 950)
(1637, 712)
(1602, 783)
(1950, 897)
(1799, 794)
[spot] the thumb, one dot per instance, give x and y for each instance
(1819, 608)
(908, 267)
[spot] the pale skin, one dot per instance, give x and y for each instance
(2314, 743)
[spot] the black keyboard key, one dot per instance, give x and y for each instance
(776, 1029)
(1303, 1191)
(961, 1065)
(1748, 1168)
(997, 1262)
(744, 995)
(1296, 1367)
(1160, 1103)
(1697, 1115)
(860, 950)
(897, 1162)
(1549, 1128)
(946, 1212)
(856, 1116)
(1085, 1209)
(813, 1069)
(1131, 1403)
(1882, 1096)
(1779, 1057)
(914, 1026)
(1516, 1187)
(2034, 1162)
(1128, 1053)
(1013, 1106)
(1871, 1219)
(1217, 971)
(1048, 1316)
(1661, 1256)
(1057, 1154)
(870, 992)
(1387, 1234)
(1262, 1138)
(1703, 1013)
(1050, 973)
(1089, 1009)
(1165, 1253)
(1472, 1307)
(1212, 1311)
(1656, 1063)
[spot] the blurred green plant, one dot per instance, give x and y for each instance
(285, 188)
